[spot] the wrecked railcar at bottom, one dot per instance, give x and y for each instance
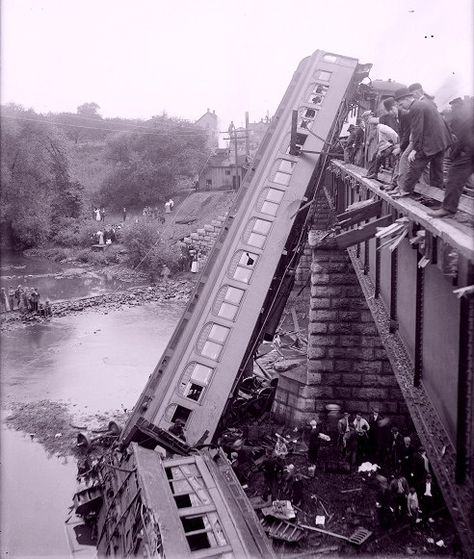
(182, 506)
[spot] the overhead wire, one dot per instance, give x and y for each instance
(189, 134)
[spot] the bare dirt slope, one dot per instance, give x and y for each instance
(193, 211)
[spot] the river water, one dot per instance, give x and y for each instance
(54, 281)
(94, 362)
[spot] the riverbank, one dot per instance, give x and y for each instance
(175, 290)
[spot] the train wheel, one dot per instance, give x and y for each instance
(113, 428)
(83, 440)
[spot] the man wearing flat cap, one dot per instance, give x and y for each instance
(429, 138)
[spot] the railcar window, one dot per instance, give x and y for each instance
(281, 178)
(212, 339)
(174, 412)
(269, 208)
(228, 301)
(195, 379)
(256, 232)
(285, 166)
(282, 171)
(323, 75)
(242, 266)
(274, 195)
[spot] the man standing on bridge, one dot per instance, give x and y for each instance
(462, 158)
(429, 138)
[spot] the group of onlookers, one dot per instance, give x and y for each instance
(405, 484)
(24, 299)
(416, 138)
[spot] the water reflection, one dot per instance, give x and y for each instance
(36, 493)
(95, 362)
(54, 281)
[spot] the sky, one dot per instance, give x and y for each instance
(139, 58)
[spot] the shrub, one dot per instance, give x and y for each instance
(145, 249)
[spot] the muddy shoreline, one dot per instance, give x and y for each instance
(175, 290)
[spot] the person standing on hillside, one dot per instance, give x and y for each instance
(124, 214)
(102, 214)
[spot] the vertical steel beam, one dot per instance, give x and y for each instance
(377, 268)
(393, 291)
(465, 380)
(419, 304)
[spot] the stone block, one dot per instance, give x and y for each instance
(343, 365)
(324, 392)
(351, 353)
(321, 279)
(370, 380)
(380, 353)
(325, 291)
(387, 367)
(348, 304)
(316, 352)
(366, 316)
(373, 341)
(351, 379)
(329, 267)
(344, 279)
(342, 392)
(321, 365)
(350, 341)
(349, 316)
(370, 393)
(388, 380)
(331, 379)
(355, 406)
(367, 367)
(319, 303)
(367, 329)
(395, 393)
(312, 377)
(353, 291)
(340, 328)
(317, 328)
(325, 316)
(323, 340)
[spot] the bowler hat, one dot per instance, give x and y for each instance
(402, 93)
(415, 86)
(457, 101)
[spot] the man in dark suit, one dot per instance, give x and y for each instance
(429, 138)
(462, 157)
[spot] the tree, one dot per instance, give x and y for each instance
(146, 164)
(89, 110)
(36, 187)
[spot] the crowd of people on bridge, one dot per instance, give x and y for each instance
(414, 138)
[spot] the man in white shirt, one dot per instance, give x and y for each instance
(426, 494)
(361, 427)
(387, 141)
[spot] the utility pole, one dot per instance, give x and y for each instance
(233, 136)
(247, 146)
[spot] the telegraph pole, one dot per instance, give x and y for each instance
(233, 136)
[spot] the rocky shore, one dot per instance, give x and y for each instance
(174, 290)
